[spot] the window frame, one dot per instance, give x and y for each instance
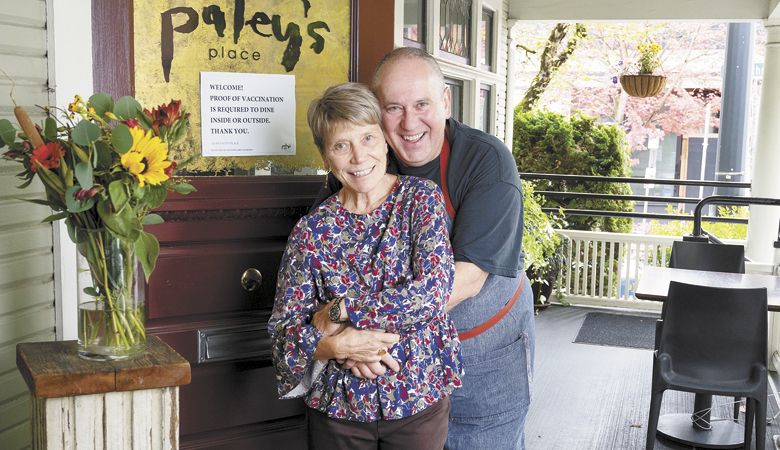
(490, 123)
(473, 74)
(492, 46)
(425, 25)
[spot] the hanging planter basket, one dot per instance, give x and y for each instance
(643, 85)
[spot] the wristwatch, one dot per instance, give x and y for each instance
(334, 312)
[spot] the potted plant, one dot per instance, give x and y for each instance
(541, 247)
(645, 83)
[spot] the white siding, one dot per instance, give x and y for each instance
(26, 260)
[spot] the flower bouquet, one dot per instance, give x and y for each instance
(104, 166)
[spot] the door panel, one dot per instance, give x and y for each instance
(196, 303)
(184, 272)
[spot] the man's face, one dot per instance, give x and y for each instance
(415, 107)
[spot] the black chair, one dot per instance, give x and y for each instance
(714, 342)
(706, 256)
(695, 255)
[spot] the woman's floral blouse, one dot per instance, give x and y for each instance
(394, 268)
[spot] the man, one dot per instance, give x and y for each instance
(491, 302)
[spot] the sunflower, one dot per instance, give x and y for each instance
(147, 159)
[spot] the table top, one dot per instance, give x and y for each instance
(654, 282)
(53, 369)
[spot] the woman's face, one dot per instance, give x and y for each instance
(357, 156)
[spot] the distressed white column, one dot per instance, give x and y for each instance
(763, 223)
(83, 405)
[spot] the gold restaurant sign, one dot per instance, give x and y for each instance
(175, 40)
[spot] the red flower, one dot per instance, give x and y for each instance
(165, 115)
(169, 170)
(132, 123)
(48, 155)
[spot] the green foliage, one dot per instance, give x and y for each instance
(721, 230)
(540, 241)
(547, 142)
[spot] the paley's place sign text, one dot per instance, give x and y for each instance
(264, 24)
(176, 40)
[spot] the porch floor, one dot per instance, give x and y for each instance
(590, 397)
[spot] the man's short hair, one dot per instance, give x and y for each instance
(406, 53)
(343, 103)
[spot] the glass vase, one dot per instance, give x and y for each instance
(111, 316)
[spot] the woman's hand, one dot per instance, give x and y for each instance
(322, 321)
(371, 370)
(358, 345)
(364, 345)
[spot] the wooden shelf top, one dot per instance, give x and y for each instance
(53, 369)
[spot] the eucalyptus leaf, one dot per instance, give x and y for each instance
(153, 219)
(85, 133)
(53, 217)
(117, 190)
(50, 128)
(121, 138)
(73, 204)
(72, 231)
(122, 223)
(7, 132)
(75, 235)
(155, 196)
(103, 155)
(184, 188)
(101, 102)
(127, 107)
(84, 175)
(147, 249)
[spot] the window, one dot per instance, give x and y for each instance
(483, 113)
(486, 39)
(455, 29)
(414, 23)
(456, 88)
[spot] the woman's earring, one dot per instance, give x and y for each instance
(325, 184)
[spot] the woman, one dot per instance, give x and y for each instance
(366, 276)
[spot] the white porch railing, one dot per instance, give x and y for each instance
(603, 269)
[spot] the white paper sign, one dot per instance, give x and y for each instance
(247, 114)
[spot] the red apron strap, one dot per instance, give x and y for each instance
(444, 159)
(486, 325)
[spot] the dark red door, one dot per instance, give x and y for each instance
(210, 298)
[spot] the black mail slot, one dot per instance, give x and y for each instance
(234, 343)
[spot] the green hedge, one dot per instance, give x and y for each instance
(547, 142)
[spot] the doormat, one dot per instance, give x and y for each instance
(617, 330)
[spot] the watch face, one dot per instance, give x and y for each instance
(334, 313)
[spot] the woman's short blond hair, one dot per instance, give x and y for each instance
(350, 103)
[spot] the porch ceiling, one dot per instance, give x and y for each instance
(624, 10)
